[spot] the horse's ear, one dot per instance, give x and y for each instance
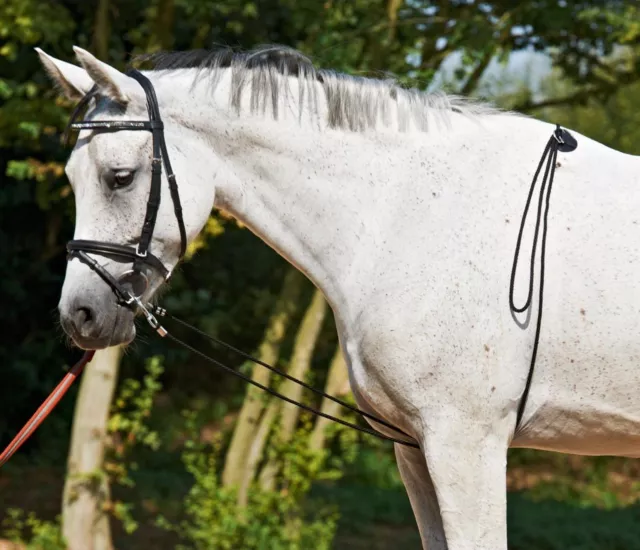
(112, 83)
(74, 82)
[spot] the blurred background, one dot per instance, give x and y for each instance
(164, 451)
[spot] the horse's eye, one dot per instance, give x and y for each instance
(122, 178)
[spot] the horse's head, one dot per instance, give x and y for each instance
(110, 172)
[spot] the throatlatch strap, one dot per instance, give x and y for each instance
(175, 197)
(160, 155)
(153, 202)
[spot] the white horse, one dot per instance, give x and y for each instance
(403, 208)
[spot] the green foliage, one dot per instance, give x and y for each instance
(271, 520)
(374, 465)
(31, 22)
(132, 408)
(623, 22)
(364, 506)
(602, 482)
(32, 532)
(359, 36)
(557, 526)
(128, 427)
(229, 287)
(614, 119)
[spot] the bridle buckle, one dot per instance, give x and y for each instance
(140, 254)
(151, 319)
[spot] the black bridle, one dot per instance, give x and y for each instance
(140, 255)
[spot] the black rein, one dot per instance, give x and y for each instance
(140, 255)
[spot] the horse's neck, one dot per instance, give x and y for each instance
(289, 196)
(291, 185)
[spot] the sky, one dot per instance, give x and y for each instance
(522, 67)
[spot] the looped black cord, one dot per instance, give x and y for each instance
(162, 312)
(560, 140)
(549, 148)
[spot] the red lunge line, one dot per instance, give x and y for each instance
(46, 407)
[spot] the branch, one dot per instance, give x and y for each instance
(577, 97)
(393, 7)
(102, 30)
(581, 95)
(595, 60)
(477, 73)
(407, 21)
(386, 25)
(433, 60)
(337, 384)
(504, 23)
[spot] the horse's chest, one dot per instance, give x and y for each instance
(407, 353)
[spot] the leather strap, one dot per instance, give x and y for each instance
(153, 202)
(119, 252)
(160, 152)
(117, 125)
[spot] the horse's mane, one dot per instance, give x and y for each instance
(355, 103)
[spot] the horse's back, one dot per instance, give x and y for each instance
(587, 375)
(434, 300)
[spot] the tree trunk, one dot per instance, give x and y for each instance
(85, 523)
(305, 343)
(393, 7)
(254, 402)
(255, 450)
(162, 34)
(102, 30)
(338, 386)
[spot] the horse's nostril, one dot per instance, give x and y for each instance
(83, 319)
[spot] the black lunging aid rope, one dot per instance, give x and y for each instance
(161, 312)
(561, 140)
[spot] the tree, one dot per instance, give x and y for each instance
(306, 340)
(86, 492)
(254, 402)
(410, 38)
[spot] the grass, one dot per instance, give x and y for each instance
(557, 502)
(375, 519)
